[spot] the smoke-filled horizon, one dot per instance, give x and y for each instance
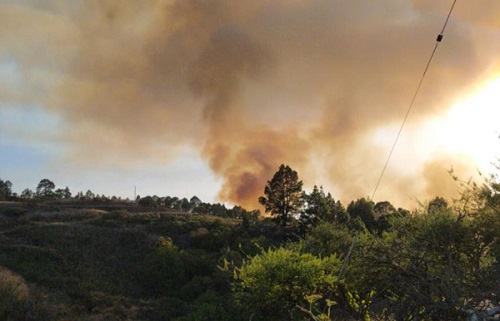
(319, 85)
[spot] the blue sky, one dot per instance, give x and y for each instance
(32, 148)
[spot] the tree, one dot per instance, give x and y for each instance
(62, 193)
(5, 190)
(427, 266)
(195, 202)
(383, 212)
(168, 201)
(89, 195)
(27, 194)
(284, 197)
(45, 188)
(437, 204)
(185, 205)
(172, 202)
(364, 210)
(384, 208)
(66, 193)
(147, 201)
(58, 193)
(320, 206)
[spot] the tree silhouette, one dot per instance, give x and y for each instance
(283, 195)
(27, 193)
(45, 188)
(321, 206)
(5, 190)
(364, 210)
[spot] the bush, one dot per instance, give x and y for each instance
(164, 273)
(424, 269)
(14, 295)
(273, 283)
(329, 238)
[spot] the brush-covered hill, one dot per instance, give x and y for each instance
(117, 261)
(176, 259)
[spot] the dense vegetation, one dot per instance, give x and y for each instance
(91, 257)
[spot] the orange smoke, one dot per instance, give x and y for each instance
(249, 84)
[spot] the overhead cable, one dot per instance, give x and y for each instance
(438, 41)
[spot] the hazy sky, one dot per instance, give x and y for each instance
(209, 97)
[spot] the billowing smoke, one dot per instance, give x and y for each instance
(248, 84)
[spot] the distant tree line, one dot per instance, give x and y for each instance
(195, 205)
(46, 190)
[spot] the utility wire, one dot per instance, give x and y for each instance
(438, 40)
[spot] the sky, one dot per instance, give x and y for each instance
(209, 97)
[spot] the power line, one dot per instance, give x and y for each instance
(438, 41)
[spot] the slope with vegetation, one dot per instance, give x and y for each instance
(90, 257)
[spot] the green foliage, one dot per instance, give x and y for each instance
(212, 306)
(45, 188)
(364, 210)
(321, 207)
(283, 195)
(426, 266)
(437, 204)
(62, 193)
(116, 263)
(27, 194)
(384, 211)
(164, 269)
(249, 219)
(273, 283)
(212, 237)
(148, 201)
(329, 238)
(5, 190)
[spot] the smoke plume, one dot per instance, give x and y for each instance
(248, 84)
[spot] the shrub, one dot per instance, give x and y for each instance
(13, 296)
(273, 283)
(164, 273)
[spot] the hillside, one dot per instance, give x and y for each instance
(96, 260)
(114, 262)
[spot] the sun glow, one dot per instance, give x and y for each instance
(471, 127)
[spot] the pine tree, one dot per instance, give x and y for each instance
(283, 195)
